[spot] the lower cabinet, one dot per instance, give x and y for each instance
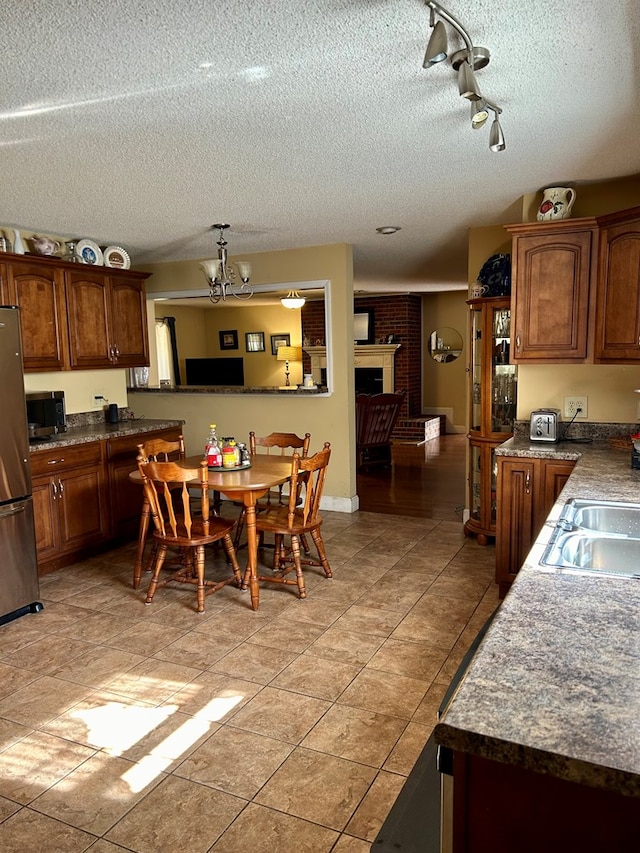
(70, 503)
(83, 498)
(503, 808)
(526, 490)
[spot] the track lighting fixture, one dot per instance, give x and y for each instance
(466, 62)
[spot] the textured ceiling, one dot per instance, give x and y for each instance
(304, 123)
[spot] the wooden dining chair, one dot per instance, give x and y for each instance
(153, 450)
(276, 443)
(166, 486)
(300, 515)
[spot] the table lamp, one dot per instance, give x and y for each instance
(288, 354)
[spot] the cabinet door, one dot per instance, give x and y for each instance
(618, 311)
(82, 506)
(129, 322)
(553, 269)
(4, 286)
(39, 292)
(514, 529)
(88, 310)
(45, 513)
(555, 474)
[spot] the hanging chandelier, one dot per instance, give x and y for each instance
(292, 300)
(221, 274)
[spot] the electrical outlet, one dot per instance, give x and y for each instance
(571, 406)
(98, 401)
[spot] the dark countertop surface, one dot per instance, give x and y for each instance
(555, 684)
(98, 432)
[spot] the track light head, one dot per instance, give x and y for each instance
(437, 46)
(479, 114)
(496, 137)
(467, 83)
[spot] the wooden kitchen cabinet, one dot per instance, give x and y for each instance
(492, 407)
(107, 319)
(70, 503)
(37, 288)
(618, 300)
(76, 316)
(126, 496)
(505, 808)
(527, 488)
(554, 272)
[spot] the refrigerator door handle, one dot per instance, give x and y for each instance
(14, 510)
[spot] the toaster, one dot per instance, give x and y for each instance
(544, 425)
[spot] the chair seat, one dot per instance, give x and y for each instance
(217, 528)
(276, 520)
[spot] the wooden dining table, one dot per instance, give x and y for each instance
(247, 485)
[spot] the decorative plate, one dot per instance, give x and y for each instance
(116, 257)
(89, 252)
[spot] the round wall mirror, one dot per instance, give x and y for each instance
(445, 344)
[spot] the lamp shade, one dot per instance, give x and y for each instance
(289, 354)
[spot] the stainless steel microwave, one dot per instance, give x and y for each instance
(46, 414)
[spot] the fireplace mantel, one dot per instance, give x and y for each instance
(365, 355)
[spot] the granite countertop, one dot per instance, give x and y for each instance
(98, 432)
(294, 390)
(555, 684)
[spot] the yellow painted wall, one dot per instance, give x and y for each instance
(444, 384)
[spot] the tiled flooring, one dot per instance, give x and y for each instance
(289, 729)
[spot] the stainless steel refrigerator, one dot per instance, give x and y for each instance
(19, 588)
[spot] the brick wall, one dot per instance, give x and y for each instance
(400, 316)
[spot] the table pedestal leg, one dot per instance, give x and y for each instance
(252, 556)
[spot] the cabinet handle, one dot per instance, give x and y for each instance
(61, 487)
(527, 481)
(55, 490)
(55, 461)
(518, 342)
(116, 353)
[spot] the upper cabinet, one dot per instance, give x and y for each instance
(107, 319)
(618, 301)
(576, 290)
(553, 274)
(38, 290)
(77, 317)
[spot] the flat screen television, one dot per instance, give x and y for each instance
(214, 371)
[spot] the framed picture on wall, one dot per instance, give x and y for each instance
(228, 339)
(254, 341)
(282, 340)
(363, 327)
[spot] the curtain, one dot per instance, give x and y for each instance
(168, 368)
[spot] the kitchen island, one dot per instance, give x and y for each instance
(545, 725)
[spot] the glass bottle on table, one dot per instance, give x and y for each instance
(212, 450)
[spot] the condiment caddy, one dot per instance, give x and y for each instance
(225, 456)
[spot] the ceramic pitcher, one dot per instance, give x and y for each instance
(556, 203)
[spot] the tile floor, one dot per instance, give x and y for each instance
(286, 730)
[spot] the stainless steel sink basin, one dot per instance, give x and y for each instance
(620, 519)
(593, 552)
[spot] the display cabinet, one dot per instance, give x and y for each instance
(492, 407)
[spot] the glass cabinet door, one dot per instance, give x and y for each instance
(503, 375)
(477, 362)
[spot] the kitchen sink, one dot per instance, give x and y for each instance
(621, 519)
(593, 552)
(596, 536)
